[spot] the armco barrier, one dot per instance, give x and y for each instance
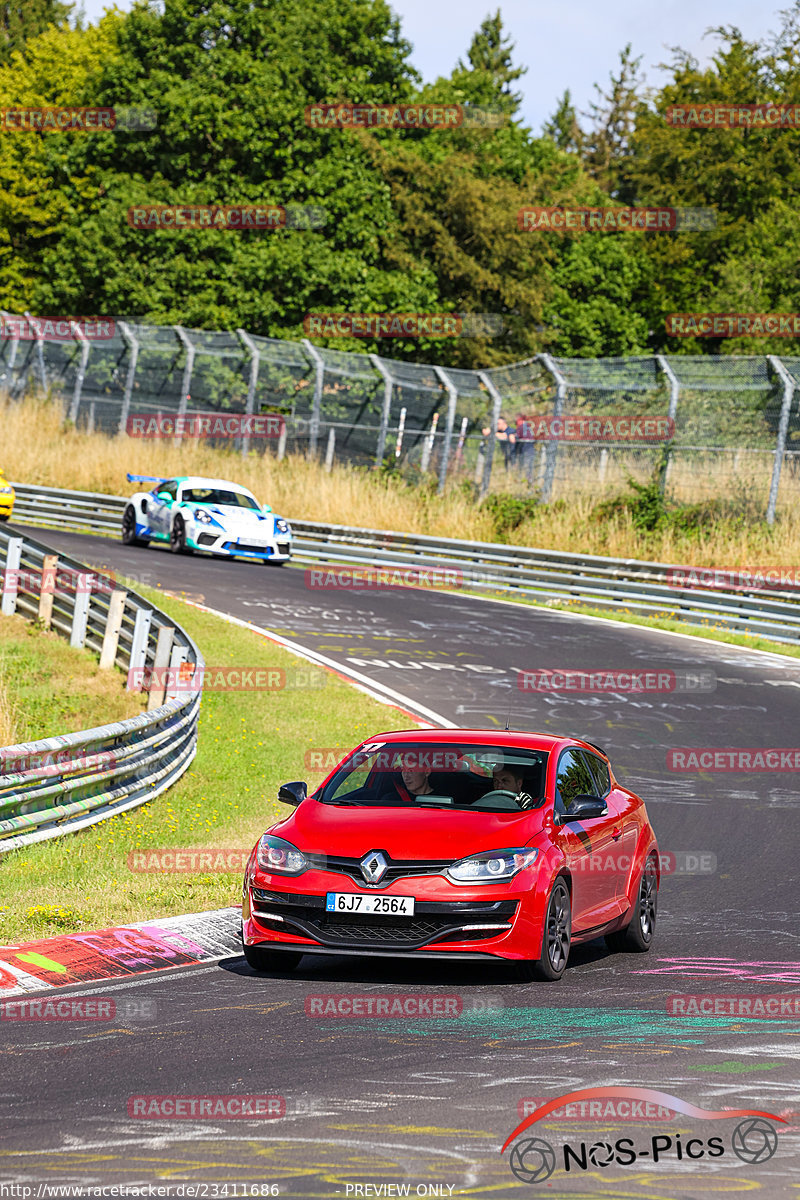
(62, 784)
(544, 576)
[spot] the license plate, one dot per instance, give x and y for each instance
(353, 902)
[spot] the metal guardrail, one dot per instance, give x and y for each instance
(61, 784)
(621, 584)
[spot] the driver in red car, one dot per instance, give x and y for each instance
(507, 779)
(415, 781)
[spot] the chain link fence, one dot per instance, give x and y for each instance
(724, 426)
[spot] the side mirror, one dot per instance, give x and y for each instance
(583, 808)
(164, 497)
(267, 508)
(292, 793)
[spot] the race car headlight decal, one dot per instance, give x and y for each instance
(200, 514)
(274, 854)
(282, 526)
(492, 866)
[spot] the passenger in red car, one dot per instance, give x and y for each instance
(415, 782)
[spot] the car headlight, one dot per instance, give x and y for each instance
(282, 526)
(492, 866)
(200, 514)
(6, 491)
(275, 854)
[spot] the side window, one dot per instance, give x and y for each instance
(171, 487)
(573, 778)
(599, 770)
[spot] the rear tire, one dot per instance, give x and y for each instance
(637, 936)
(129, 537)
(556, 939)
(177, 537)
(270, 960)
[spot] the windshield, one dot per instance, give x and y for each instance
(446, 775)
(201, 495)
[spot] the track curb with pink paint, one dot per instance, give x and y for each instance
(121, 952)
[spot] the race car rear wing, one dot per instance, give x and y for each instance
(147, 478)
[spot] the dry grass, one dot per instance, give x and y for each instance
(38, 448)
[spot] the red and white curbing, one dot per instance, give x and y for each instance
(118, 953)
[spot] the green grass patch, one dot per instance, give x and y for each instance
(250, 742)
(50, 688)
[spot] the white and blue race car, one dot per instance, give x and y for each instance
(213, 515)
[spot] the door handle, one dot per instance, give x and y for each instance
(616, 833)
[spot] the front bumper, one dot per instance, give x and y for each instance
(503, 920)
(219, 542)
(6, 506)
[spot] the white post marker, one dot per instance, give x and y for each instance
(80, 611)
(48, 587)
(11, 577)
(116, 611)
(158, 688)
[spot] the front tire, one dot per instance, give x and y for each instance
(129, 537)
(270, 960)
(556, 939)
(637, 936)
(177, 537)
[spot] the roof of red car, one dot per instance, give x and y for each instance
(487, 737)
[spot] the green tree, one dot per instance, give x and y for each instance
(21, 20)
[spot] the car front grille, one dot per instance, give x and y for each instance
(399, 869)
(432, 922)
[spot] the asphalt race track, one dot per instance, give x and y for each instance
(427, 1103)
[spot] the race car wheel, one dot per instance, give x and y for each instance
(637, 936)
(177, 537)
(129, 537)
(270, 960)
(556, 938)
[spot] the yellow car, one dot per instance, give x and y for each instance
(7, 496)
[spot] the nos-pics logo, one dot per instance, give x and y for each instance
(533, 1159)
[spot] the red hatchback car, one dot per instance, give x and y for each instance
(458, 843)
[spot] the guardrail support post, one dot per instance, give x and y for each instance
(387, 407)
(116, 611)
(497, 404)
(186, 382)
(319, 377)
(452, 400)
(158, 685)
(80, 611)
(783, 428)
(674, 394)
(552, 446)
(255, 361)
(47, 590)
(81, 337)
(177, 659)
(39, 350)
(132, 343)
(330, 450)
(12, 353)
(11, 577)
(141, 633)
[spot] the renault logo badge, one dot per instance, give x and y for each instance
(374, 866)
